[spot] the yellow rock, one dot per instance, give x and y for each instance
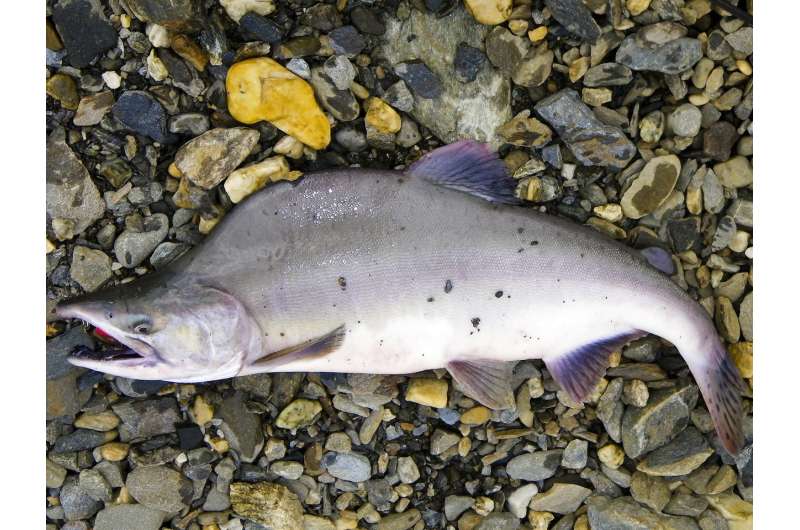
(540, 520)
(98, 421)
(607, 227)
(742, 354)
(491, 12)
(299, 413)
(248, 180)
(202, 411)
(609, 212)
(114, 451)
(381, 116)
(476, 416)
(611, 455)
(427, 391)
(538, 34)
(731, 506)
(577, 68)
(220, 445)
(50, 246)
(62, 88)
(205, 226)
(289, 146)
(637, 7)
(261, 89)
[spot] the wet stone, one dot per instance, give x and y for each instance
(592, 142)
(575, 454)
(468, 62)
(190, 123)
(685, 120)
(94, 484)
(81, 440)
(535, 466)
(85, 30)
(651, 187)
(144, 419)
(575, 17)
(399, 96)
(175, 15)
(652, 426)
(420, 79)
(140, 112)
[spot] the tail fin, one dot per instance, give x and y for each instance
(721, 385)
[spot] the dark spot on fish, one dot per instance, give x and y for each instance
(520, 250)
(498, 294)
(342, 282)
(400, 181)
(402, 228)
(476, 322)
(534, 243)
(430, 299)
(448, 286)
(520, 230)
(582, 254)
(276, 212)
(283, 334)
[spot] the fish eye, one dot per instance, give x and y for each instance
(142, 327)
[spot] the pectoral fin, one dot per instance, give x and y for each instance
(579, 370)
(316, 347)
(489, 382)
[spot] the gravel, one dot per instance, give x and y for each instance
(633, 117)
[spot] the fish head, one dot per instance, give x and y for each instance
(180, 333)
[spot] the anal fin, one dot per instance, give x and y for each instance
(316, 347)
(487, 381)
(578, 371)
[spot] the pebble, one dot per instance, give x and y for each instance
(685, 120)
(467, 62)
(92, 108)
(266, 503)
(340, 71)
(652, 426)
(575, 17)
(427, 391)
(575, 454)
(70, 193)
(131, 247)
(611, 455)
(346, 40)
(681, 456)
(635, 393)
(624, 513)
(160, 488)
(561, 498)
(535, 466)
(241, 427)
(651, 491)
(671, 57)
(55, 474)
(351, 466)
(399, 96)
(236, 9)
(247, 180)
(128, 517)
(607, 74)
(735, 173)
(652, 186)
(382, 117)
(442, 440)
(180, 15)
(519, 499)
(261, 89)
(140, 112)
(84, 30)
(455, 505)
(400, 521)
(746, 316)
(408, 135)
(90, 268)
(112, 79)
(97, 421)
(260, 28)
(718, 141)
(114, 451)
(77, 504)
(190, 123)
(592, 142)
(298, 414)
(476, 416)
(498, 521)
(489, 12)
(94, 484)
(525, 131)
(61, 87)
(407, 470)
(535, 68)
(420, 79)
(726, 319)
(209, 158)
(147, 418)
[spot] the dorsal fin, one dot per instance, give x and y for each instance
(579, 370)
(467, 166)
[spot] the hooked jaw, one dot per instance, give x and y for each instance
(131, 357)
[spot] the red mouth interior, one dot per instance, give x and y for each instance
(104, 336)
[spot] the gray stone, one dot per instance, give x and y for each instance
(399, 521)
(519, 499)
(140, 112)
(408, 135)
(346, 40)
(535, 466)
(341, 103)
(90, 268)
(672, 57)
(535, 68)
(80, 440)
(352, 467)
(407, 470)
(208, 159)
(681, 456)
(340, 71)
(399, 96)
(455, 505)
(160, 488)
(625, 513)
(442, 440)
(746, 316)
(167, 252)
(561, 498)
(77, 504)
(610, 409)
(643, 350)
(468, 62)
(131, 248)
(505, 50)
(498, 521)
(70, 193)
(112, 472)
(84, 29)
(686, 504)
(420, 79)
(575, 454)
(241, 427)
(653, 492)
(719, 139)
(576, 17)
(741, 40)
(607, 74)
(351, 139)
(592, 142)
(472, 110)
(217, 501)
(143, 419)
(190, 123)
(175, 15)
(95, 485)
(259, 385)
(652, 426)
(685, 120)
(128, 517)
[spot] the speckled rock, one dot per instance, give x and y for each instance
(160, 488)
(268, 504)
(128, 517)
(681, 456)
(208, 159)
(575, 17)
(352, 467)
(666, 415)
(132, 247)
(671, 57)
(560, 498)
(652, 187)
(624, 513)
(534, 466)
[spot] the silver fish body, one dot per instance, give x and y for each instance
(394, 274)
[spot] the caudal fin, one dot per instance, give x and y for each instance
(721, 385)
